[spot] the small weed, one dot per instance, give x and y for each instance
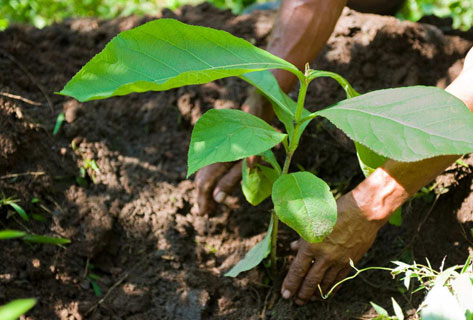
(13, 203)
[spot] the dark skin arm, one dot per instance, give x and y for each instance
(364, 210)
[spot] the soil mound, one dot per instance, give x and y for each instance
(130, 221)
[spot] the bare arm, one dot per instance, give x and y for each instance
(300, 32)
(363, 211)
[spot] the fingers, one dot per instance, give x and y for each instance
(205, 180)
(296, 274)
(227, 183)
(332, 277)
(311, 281)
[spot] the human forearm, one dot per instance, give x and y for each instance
(300, 32)
(395, 182)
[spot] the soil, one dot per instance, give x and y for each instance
(130, 222)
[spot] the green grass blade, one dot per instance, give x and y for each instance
(46, 239)
(19, 210)
(59, 120)
(11, 234)
(16, 308)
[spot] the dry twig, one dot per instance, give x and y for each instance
(16, 97)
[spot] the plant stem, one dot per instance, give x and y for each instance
(274, 243)
(293, 143)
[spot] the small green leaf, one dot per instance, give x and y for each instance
(369, 160)
(406, 124)
(269, 157)
(11, 234)
(228, 135)
(45, 239)
(305, 203)
(379, 310)
(16, 308)
(95, 287)
(254, 256)
(396, 218)
(257, 182)
(397, 309)
(19, 210)
(165, 54)
(59, 120)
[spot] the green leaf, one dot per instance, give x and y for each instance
(379, 310)
(228, 135)
(397, 309)
(59, 120)
(265, 82)
(396, 218)
(11, 234)
(257, 182)
(284, 107)
(165, 54)
(369, 160)
(406, 124)
(45, 239)
(16, 308)
(254, 256)
(269, 157)
(19, 210)
(305, 203)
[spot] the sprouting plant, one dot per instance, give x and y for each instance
(449, 292)
(93, 278)
(405, 124)
(13, 203)
(27, 236)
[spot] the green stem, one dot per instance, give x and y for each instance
(274, 243)
(289, 153)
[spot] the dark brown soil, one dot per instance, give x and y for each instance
(131, 223)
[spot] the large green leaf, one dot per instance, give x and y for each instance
(304, 202)
(254, 256)
(228, 135)
(257, 182)
(14, 309)
(406, 124)
(165, 54)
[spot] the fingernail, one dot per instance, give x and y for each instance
(286, 294)
(219, 197)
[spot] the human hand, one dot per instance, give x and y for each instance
(327, 262)
(216, 181)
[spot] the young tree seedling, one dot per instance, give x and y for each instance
(405, 124)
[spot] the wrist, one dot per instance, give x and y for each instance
(378, 196)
